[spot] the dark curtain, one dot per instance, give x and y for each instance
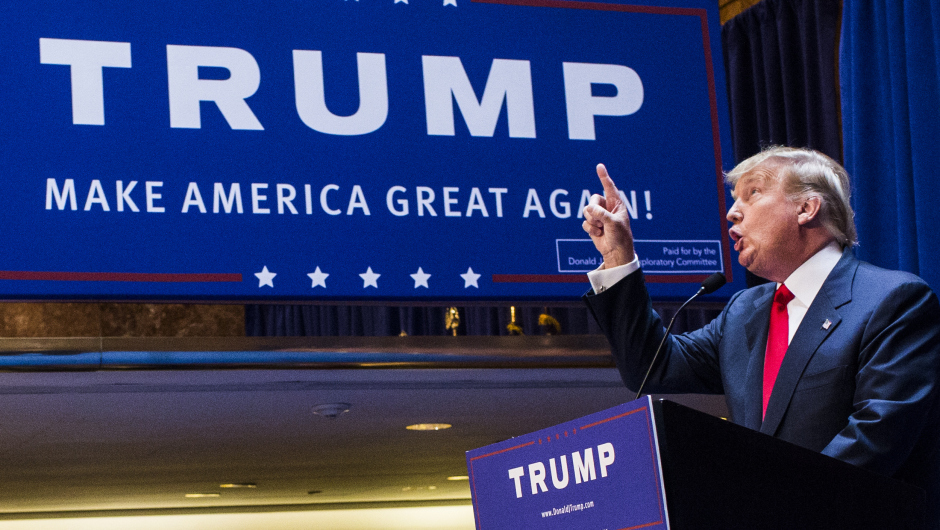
(780, 56)
(376, 320)
(890, 73)
(382, 320)
(781, 61)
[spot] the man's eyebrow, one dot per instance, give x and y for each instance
(750, 178)
(745, 180)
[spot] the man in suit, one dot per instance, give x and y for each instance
(835, 354)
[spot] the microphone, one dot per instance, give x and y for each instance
(710, 285)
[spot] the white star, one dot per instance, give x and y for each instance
(318, 277)
(401, 1)
(420, 278)
(470, 278)
(369, 278)
(450, 3)
(265, 277)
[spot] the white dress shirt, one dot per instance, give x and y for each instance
(804, 282)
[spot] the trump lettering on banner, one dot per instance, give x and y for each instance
(599, 471)
(339, 150)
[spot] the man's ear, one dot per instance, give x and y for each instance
(809, 209)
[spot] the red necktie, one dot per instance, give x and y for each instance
(777, 337)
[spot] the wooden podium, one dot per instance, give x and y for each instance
(657, 464)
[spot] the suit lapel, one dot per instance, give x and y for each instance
(755, 330)
(813, 330)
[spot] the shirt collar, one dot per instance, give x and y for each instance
(806, 281)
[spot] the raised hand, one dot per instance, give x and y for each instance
(607, 222)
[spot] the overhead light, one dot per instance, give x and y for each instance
(459, 477)
(201, 495)
(239, 485)
(429, 426)
(331, 410)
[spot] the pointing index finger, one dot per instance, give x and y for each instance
(611, 193)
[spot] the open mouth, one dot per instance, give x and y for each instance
(736, 237)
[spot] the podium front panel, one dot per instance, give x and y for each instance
(598, 472)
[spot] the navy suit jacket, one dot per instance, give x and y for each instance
(859, 382)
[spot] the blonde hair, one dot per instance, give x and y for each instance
(805, 173)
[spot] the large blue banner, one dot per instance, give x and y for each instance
(598, 472)
(354, 149)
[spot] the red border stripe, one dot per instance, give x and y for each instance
(598, 6)
(513, 448)
(617, 417)
(582, 278)
(539, 278)
(119, 277)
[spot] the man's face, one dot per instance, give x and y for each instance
(765, 230)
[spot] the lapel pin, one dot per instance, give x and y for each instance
(827, 323)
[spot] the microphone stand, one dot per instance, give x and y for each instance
(710, 285)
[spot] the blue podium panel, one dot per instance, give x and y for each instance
(348, 150)
(599, 472)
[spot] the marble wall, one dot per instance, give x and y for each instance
(94, 319)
